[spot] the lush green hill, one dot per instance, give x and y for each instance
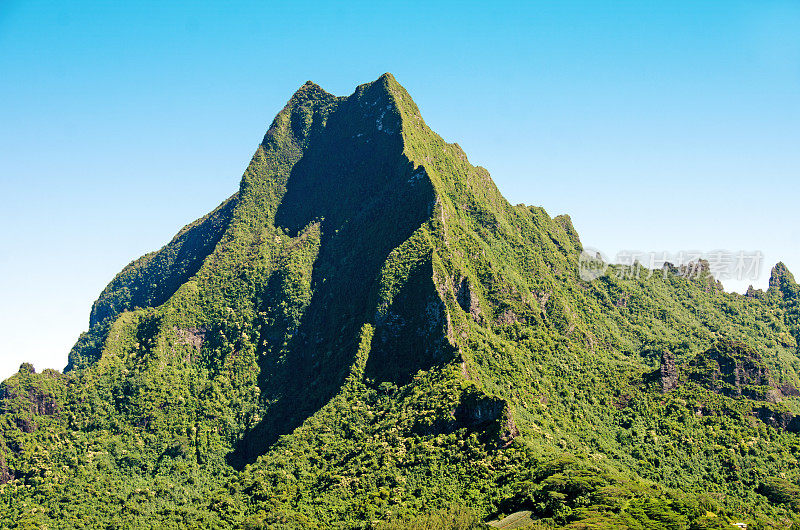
(368, 334)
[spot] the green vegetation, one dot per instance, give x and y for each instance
(368, 335)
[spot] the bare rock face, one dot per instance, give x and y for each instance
(467, 299)
(668, 371)
(481, 412)
(42, 404)
(781, 282)
(732, 369)
(477, 412)
(788, 390)
(782, 420)
(507, 316)
(25, 402)
(509, 431)
(413, 333)
(194, 337)
(26, 425)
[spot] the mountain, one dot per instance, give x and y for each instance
(367, 334)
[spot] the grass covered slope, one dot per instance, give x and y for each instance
(368, 333)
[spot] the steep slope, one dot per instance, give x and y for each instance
(367, 330)
(151, 280)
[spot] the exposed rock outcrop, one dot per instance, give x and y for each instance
(668, 373)
(782, 420)
(477, 412)
(25, 398)
(194, 337)
(781, 282)
(474, 411)
(468, 300)
(732, 369)
(480, 411)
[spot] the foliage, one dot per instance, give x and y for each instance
(368, 335)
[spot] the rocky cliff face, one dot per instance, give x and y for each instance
(732, 369)
(668, 372)
(780, 419)
(781, 282)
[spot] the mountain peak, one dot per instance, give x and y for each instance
(385, 83)
(781, 280)
(309, 90)
(388, 81)
(385, 80)
(367, 308)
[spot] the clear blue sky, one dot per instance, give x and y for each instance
(655, 125)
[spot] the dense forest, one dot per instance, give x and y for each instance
(368, 335)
